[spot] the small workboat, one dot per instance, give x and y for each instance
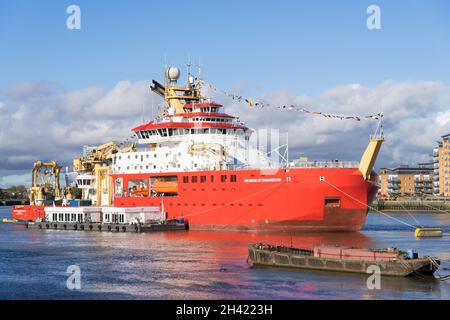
(391, 261)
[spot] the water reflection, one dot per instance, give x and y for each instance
(198, 265)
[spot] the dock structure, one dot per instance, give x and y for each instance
(108, 227)
(401, 206)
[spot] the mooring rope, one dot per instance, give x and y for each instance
(234, 201)
(409, 213)
(421, 193)
(368, 206)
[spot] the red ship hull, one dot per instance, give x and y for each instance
(285, 200)
(292, 200)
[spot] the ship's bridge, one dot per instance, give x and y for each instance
(201, 118)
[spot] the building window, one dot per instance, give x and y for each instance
(185, 179)
(223, 178)
(194, 179)
(202, 179)
(212, 179)
(233, 178)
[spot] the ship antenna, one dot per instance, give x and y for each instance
(199, 68)
(189, 66)
(199, 82)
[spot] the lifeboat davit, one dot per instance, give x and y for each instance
(167, 187)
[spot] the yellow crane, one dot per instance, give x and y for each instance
(45, 181)
(98, 163)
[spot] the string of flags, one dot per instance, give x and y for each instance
(253, 103)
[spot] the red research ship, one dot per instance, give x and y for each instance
(203, 166)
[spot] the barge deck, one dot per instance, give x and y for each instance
(390, 262)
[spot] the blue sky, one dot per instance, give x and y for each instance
(60, 88)
(306, 46)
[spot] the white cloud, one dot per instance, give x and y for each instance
(40, 121)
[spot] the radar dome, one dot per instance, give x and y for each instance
(173, 73)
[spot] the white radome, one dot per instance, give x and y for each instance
(173, 73)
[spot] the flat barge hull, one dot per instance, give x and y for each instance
(268, 258)
(106, 227)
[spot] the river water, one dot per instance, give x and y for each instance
(202, 265)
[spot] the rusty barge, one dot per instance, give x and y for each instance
(391, 261)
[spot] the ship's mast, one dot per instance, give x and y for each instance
(175, 96)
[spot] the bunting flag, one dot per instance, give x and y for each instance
(251, 103)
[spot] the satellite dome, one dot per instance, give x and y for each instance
(173, 73)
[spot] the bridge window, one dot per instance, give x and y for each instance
(202, 179)
(185, 179)
(233, 178)
(212, 179)
(194, 179)
(223, 178)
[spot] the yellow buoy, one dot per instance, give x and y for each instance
(427, 232)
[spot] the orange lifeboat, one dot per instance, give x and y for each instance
(168, 187)
(139, 192)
